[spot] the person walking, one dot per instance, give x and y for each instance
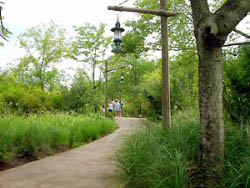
(110, 106)
(121, 108)
(117, 107)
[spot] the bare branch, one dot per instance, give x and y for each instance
(123, 2)
(241, 33)
(237, 43)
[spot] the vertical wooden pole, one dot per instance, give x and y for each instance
(166, 113)
(106, 88)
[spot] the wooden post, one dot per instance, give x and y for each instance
(166, 113)
(106, 88)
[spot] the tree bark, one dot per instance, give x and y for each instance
(211, 31)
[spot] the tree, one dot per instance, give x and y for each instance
(211, 30)
(45, 46)
(82, 97)
(90, 44)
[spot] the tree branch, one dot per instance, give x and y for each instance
(241, 33)
(3, 30)
(230, 14)
(237, 43)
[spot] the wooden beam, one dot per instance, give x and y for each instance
(143, 11)
(166, 112)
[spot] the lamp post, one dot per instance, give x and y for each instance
(117, 37)
(116, 49)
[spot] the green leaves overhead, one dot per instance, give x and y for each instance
(90, 45)
(180, 27)
(90, 42)
(45, 46)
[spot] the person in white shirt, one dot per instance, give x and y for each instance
(117, 107)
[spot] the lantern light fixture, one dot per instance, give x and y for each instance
(122, 78)
(117, 37)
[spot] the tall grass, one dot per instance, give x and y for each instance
(27, 136)
(153, 157)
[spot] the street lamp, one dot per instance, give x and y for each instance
(117, 37)
(122, 78)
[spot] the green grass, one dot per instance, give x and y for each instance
(151, 157)
(27, 136)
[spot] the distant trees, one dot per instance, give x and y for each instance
(45, 46)
(90, 46)
(82, 97)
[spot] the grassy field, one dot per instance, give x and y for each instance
(37, 134)
(152, 157)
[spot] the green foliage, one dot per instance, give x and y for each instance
(133, 42)
(45, 46)
(237, 85)
(151, 87)
(19, 97)
(82, 97)
(90, 45)
(181, 33)
(27, 136)
(154, 157)
(183, 84)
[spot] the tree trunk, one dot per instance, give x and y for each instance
(211, 111)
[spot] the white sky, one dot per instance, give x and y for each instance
(19, 15)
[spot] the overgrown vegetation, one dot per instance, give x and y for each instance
(237, 84)
(154, 157)
(29, 136)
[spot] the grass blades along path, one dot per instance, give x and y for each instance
(33, 135)
(153, 158)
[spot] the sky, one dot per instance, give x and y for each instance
(20, 15)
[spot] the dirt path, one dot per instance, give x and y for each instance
(87, 166)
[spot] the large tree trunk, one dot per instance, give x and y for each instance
(211, 110)
(211, 31)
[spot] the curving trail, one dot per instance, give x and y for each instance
(88, 166)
